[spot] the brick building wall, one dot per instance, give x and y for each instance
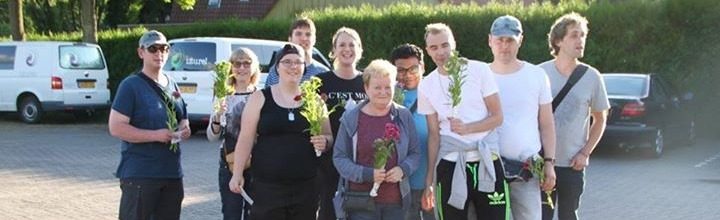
(244, 9)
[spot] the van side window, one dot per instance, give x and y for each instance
(81, 57)
(264, 53)
(7, 57)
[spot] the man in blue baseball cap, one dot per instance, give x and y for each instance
(525, 100)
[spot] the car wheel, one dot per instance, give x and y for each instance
(657, 144)
(30, 110)
(691, 134)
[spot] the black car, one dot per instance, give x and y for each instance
(647, 113)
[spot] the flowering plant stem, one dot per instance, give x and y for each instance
(537, 167)
(454, 67)
(172, 122)
(384, 147)
(220, 87)
(313, 107)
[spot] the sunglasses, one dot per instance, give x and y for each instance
(156, 48)
(238, 64)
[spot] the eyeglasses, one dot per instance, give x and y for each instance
(290, 63)
(238, 64)
(156, 48)
(412, 69)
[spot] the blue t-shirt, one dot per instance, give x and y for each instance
(137, 100)
(417, 178)
(310, 70)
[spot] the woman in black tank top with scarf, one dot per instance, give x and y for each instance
(283, 158)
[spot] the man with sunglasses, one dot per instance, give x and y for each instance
(302, 32)
(149, 171)
(408, 59)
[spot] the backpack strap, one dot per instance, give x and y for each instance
(577, 73)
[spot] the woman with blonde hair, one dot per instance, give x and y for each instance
(342, 87)
(244, 75)
(355, 147)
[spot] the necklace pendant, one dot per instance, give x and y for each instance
(291, 116)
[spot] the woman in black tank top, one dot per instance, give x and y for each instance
(283, 160)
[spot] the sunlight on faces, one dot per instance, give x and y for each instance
(347, 47)
(303, 36)
(155, 55)
(438, 46)
(245, 66)
(504, 49)
(379, 81)
(409, 72)
(291, 68)
(573, 43)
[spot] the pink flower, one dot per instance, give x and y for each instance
(392, 132)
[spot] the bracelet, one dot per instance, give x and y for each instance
(551, 160)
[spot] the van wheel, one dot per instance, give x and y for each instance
(30, 110)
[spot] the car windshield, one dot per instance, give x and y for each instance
(191, 56)
(625, 85)
(81, 57)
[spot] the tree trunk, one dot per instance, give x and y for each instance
(89, 21)
(17, 25)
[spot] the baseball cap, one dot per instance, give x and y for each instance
(152, 37)
(506, 26)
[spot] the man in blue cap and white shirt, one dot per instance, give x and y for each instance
(527, 106)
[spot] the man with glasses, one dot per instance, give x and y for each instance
(408, 59)
(149, 171)
(526, 104)
(302, 32)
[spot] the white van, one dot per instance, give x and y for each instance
(36, 77)
(191, 62)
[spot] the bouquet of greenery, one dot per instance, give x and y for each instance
(536, 165)
(384, 147)
(313, 107)
(172, 122)
(399, 95)
(220, 87)
(454, 67)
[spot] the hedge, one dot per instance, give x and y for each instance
(675, 38)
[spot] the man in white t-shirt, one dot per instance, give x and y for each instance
(456, 137)
(527, 106)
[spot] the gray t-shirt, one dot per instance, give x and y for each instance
(572, 116)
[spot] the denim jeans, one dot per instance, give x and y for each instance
(569, 188)
(234, 207)
(415, 212)
(146, 198)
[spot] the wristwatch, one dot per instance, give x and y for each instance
(551, 160)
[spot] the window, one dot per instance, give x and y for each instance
(191, 56)
(264, 53)
(81, 57)
(214, 3)
(7, 57)
(625, 86)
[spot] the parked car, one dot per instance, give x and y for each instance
(647, 113)
(192, 60)
(36, 77)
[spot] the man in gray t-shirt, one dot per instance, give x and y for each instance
(576, 137)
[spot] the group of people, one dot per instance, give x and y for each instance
(447, 159)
